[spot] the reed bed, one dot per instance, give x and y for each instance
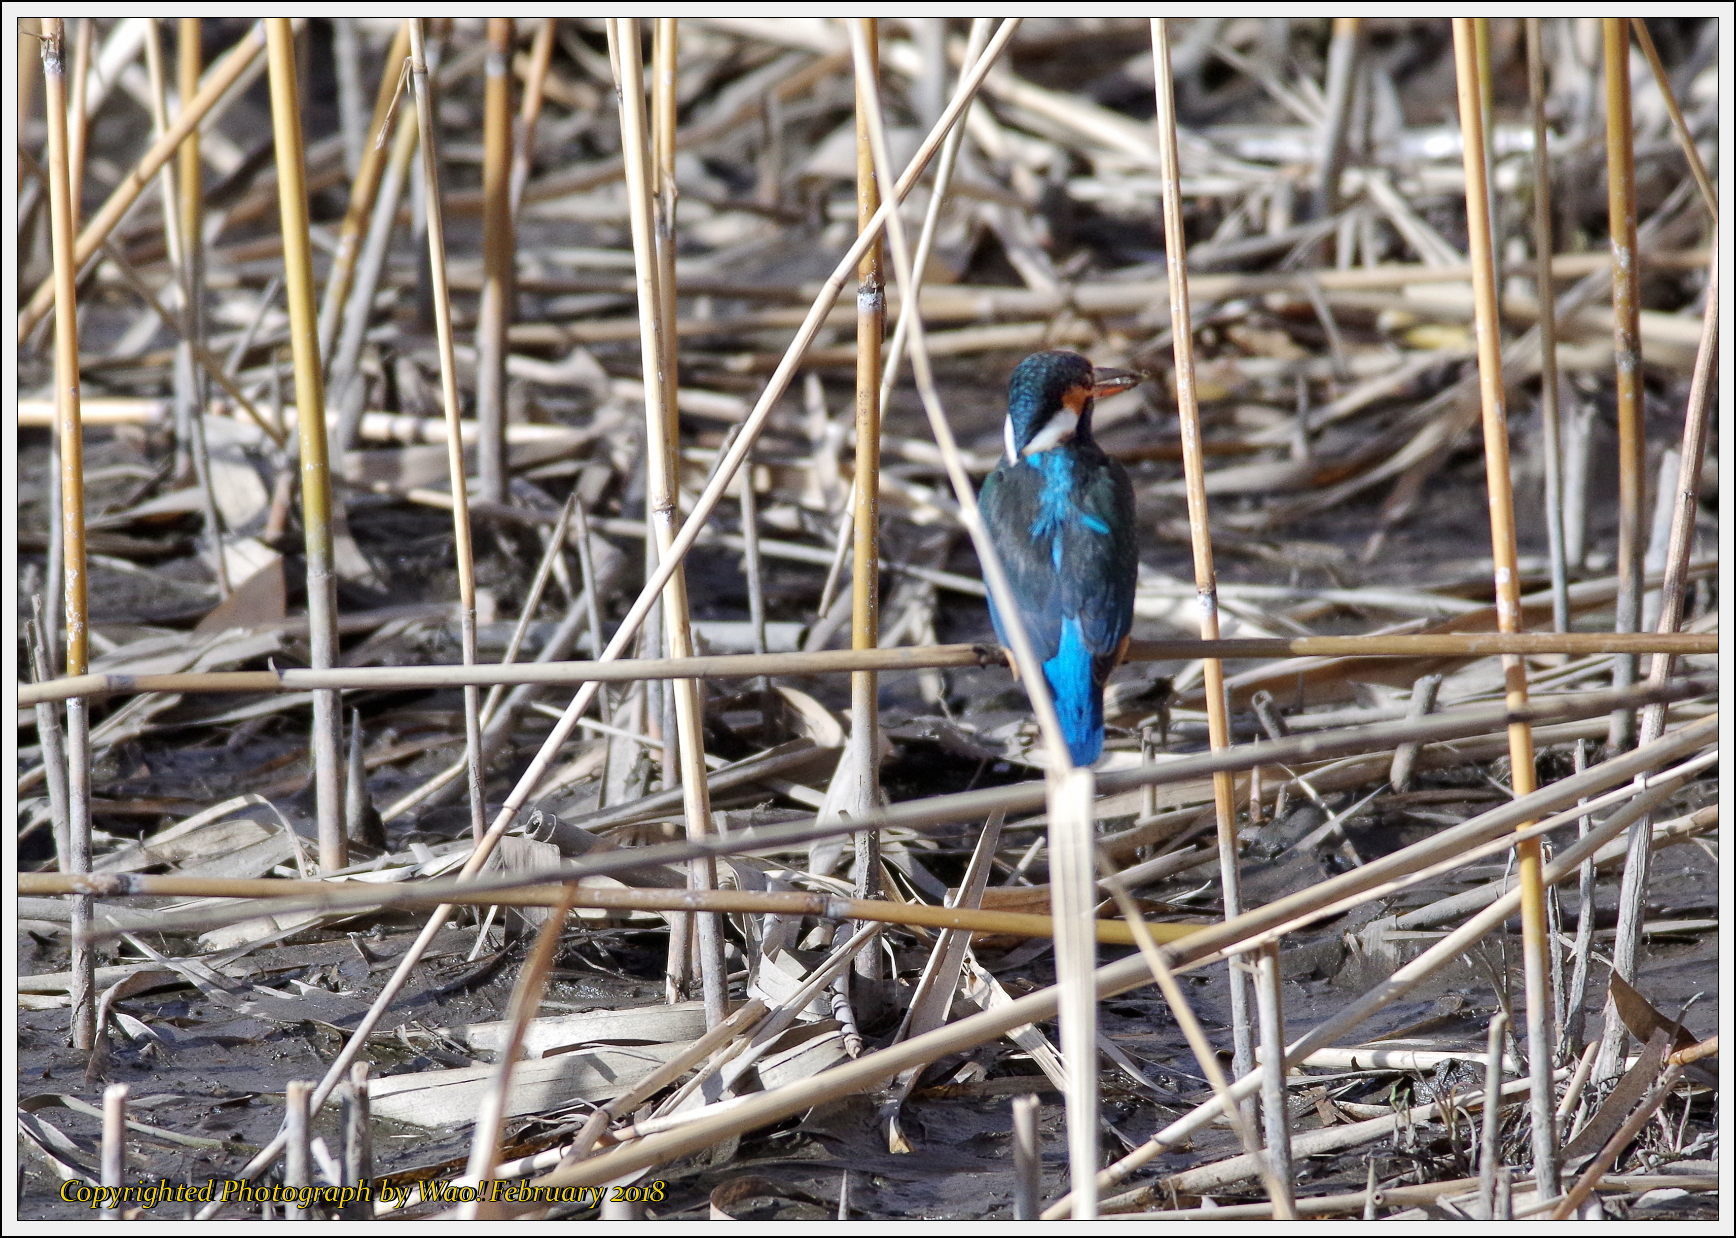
(508, 355)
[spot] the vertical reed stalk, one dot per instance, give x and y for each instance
(1543, 251)
(429, 141)
(494, 314)
(1504, 539)
(861, 762)
(1199, 522)
(1274, 1102)
(651, 199)
(78, 117)
(114, 1137)
(70, 435)
(1489, 1155)
(1629, 397)
(363, 190)
(1341, 66)
(316, 496)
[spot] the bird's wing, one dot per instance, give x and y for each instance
(1009, 502)
(1101, 552)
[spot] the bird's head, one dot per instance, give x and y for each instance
(1050, 397)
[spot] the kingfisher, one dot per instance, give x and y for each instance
(1060, 514)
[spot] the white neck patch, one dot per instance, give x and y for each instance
(1057, 430)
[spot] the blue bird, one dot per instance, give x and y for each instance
(1060, 514)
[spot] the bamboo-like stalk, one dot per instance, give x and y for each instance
(429, 142)
(224, 74)
(1274, 1096)
(297, 1116)
(364, 190)
(1630, 915)
(358, 1145)
(78, 116)
(1504, 547)
(316, 495)
(1489, 1149)
(75, 592)
(1629, 394)
(1342, 59)
(650, 205)
(494, 314)
(845, 661)
(860, 766)
(1199, 522)
(1543, 243)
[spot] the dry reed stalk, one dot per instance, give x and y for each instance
(78, 114)
(1618, 1142)
(651, 196)
(1549, 401)
(114, 1138)
(1489, 1149)
(856, 784)
(223, 75)
(75, 582)
(428, 140)
(364, 189)
(298, 1155)
(494, 314)
(358, 1146)
(1199, 521)
(1504, 538)
(1630, 913)
(1027, 1159)
(316, 493)
(1629, 395)
(1342, 64)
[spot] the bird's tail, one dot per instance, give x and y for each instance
(1078, 696)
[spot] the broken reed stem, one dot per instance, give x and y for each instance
(494, 313)
(70, 438)
(860, 764)
(428, 139)
(114, 1136)
(224, 74)
(1549, 400)
(1199, 520)
(1504, 547)
(843, 661)
(1489, 1153)
(316, 494)
(650, 198)
(1629, 396)
(364, 188)
(1630, 907)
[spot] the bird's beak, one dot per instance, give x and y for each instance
(1108, 382)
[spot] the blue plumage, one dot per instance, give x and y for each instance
(1060, 514)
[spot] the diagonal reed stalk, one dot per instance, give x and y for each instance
(1504, 548)
(428, 140)
(316, 494)
(651, 200)
(70, 436)
(1629, 395)
(1199, 523)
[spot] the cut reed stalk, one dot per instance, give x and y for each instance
(1629, 395)
(1199, 521)
(114, 1138)
(316, 494)
(223, 75)
(1504, 548)
(1549, 401)
(494, 314)
(428, 140)
(651, 196)
(75, 582)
